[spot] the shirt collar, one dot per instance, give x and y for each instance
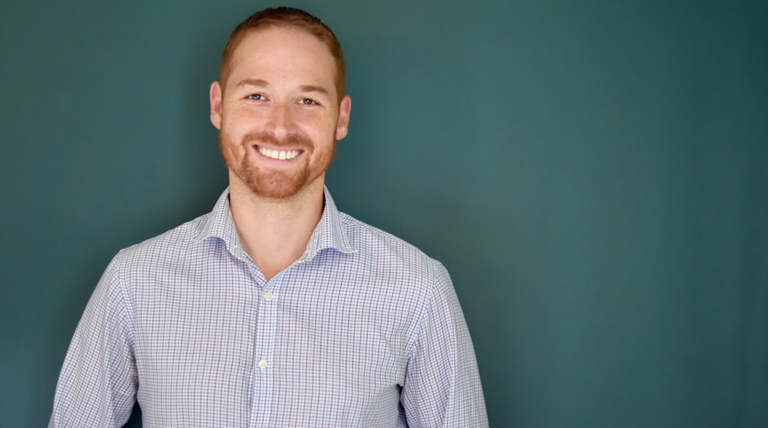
(329, 232)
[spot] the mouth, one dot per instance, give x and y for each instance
(278, 154)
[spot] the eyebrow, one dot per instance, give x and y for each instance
(264, 84)
(312, 88)
(253, 82)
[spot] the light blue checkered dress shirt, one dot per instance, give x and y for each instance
(364, 330)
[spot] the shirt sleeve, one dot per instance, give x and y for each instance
(442, 384)
(98, 383)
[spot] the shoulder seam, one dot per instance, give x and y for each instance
(124, 294)
(423, 313)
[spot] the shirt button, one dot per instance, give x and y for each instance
(263, 364)
(269, 296)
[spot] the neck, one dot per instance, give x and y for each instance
(275, 232)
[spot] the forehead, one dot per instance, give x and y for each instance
(282, 55)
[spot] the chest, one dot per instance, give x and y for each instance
(327, 342)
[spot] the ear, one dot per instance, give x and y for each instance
(342, 126)
(216, 104)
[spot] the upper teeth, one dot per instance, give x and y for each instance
(277, 154)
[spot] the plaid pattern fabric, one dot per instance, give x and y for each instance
(364, 330)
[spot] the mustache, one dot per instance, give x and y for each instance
(292, 140)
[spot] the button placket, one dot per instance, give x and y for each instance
(264, 359)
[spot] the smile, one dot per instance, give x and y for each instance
(279, 154)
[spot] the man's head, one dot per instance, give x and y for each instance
(286, 17)
(280, 107)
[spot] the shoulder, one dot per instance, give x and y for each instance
(160, 257)
(389, 254)
(174, 246)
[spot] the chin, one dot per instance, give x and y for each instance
(276, 185)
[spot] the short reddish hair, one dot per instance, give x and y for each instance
(286, 17)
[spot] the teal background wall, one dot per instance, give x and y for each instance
(593, 174)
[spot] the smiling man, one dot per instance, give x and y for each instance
(274, 310)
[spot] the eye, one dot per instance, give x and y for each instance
(257, 97)
(308, 101)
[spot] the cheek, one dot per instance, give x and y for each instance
(326, 133)
(240, 116)
(320, 120)
(233, 127)
(230, 145)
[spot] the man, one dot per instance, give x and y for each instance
(274, 310)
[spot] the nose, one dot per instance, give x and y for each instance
(280, 122)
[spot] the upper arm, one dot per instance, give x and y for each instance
(98, 382)
(442, 386)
